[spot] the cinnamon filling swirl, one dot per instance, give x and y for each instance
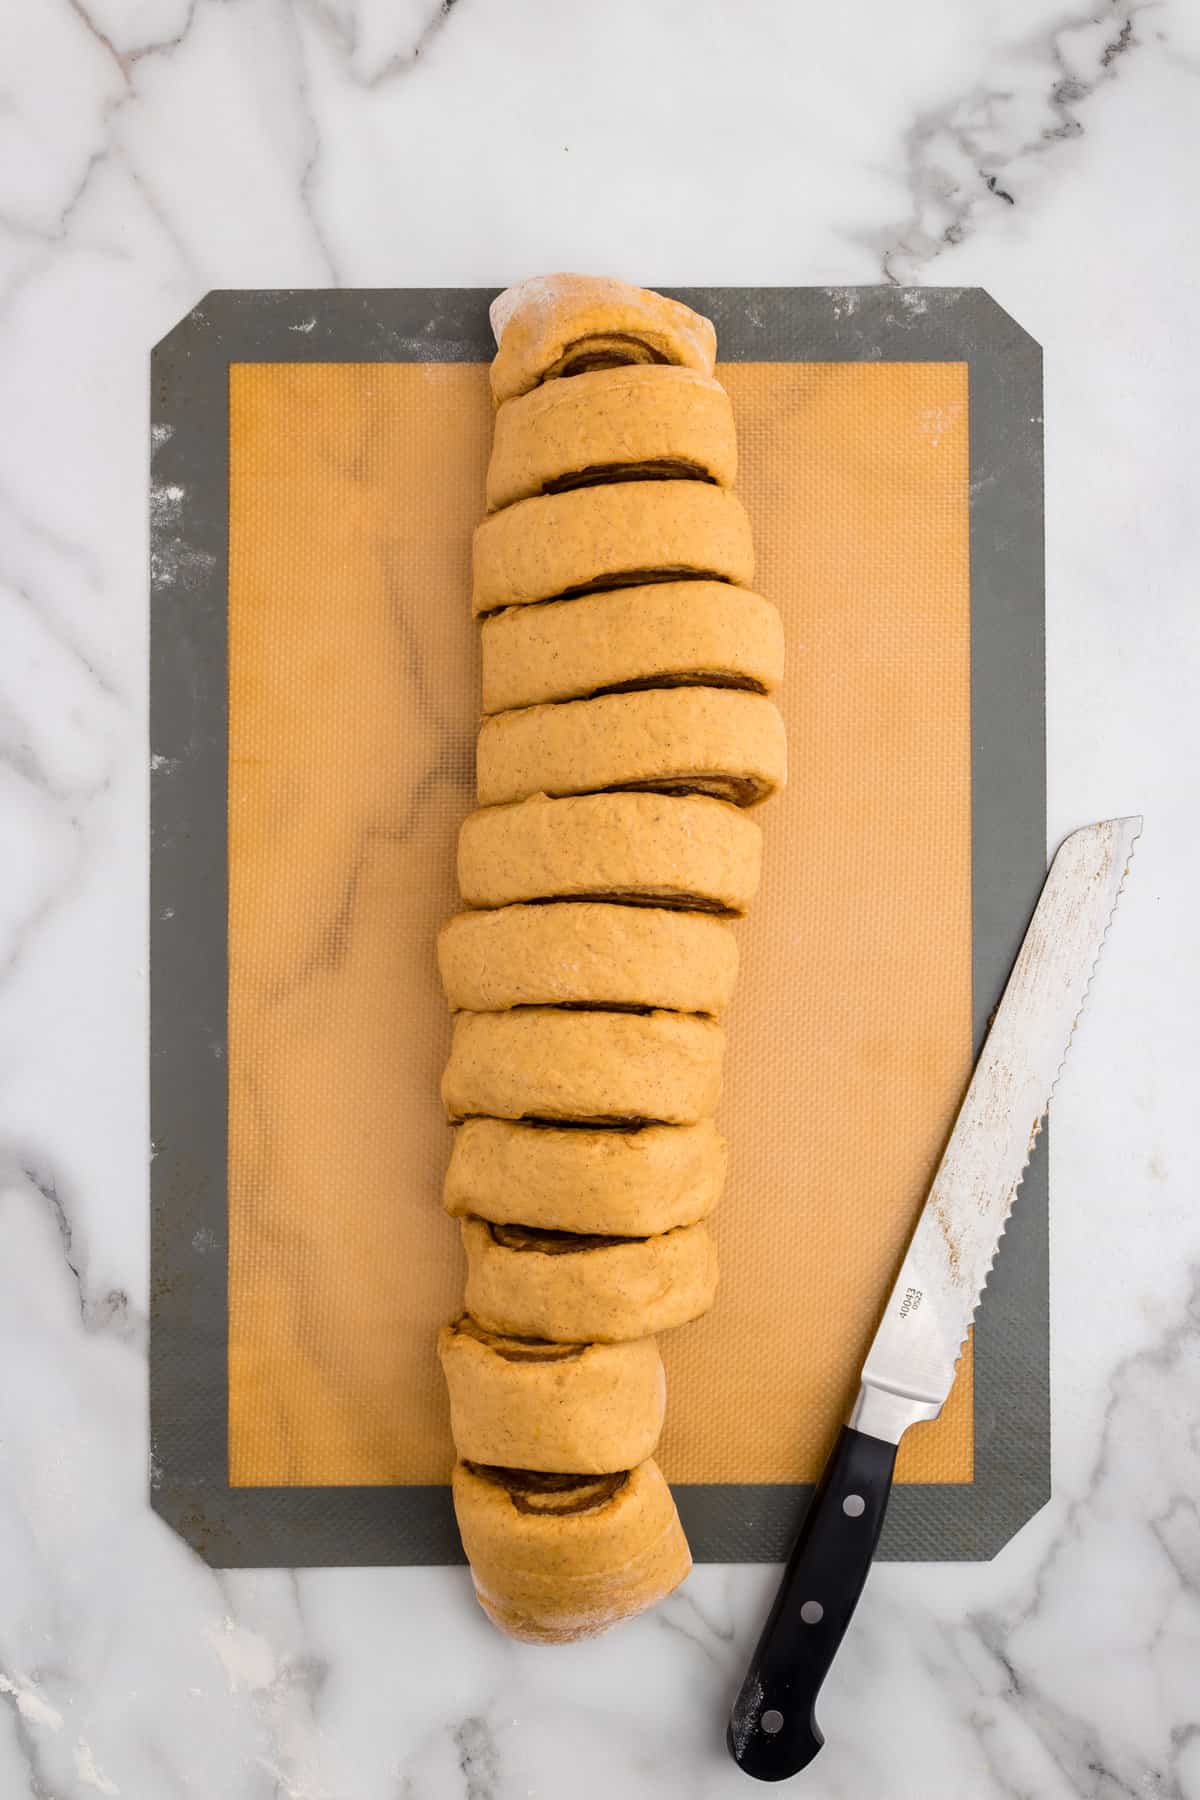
(739, 790)
(552, 1243)
(516, 1349)
(532, 1491)
(608, 350)
(666, 468)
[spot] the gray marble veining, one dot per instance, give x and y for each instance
(154, 150)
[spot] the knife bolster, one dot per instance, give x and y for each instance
(879, 1413)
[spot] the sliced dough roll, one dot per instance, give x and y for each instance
(670, 633)
(687, 849)
(587, 952)
(555, 325)
(543, 1062)
(663, 423)
(570, 1289)
(618, 535)
(716, 741)
(584, 1409)
(557, 1557)
(619, 1183)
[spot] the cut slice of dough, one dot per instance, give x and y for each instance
(555, 1558)
(588, 952)
(584, 1409)
(570, 1289)
(676, 740)
(686, 849)
(670, 633)
(545, 1062)
(621, 1183)
(599, 426)
(555, 325)
(617, 535)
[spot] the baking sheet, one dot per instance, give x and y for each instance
(318, 469)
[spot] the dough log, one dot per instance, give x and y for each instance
(628, 727)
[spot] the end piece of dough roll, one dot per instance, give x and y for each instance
(543, 1062)
(617, 535)
(555, 1558)
(718, 741)
(555, 325)
(551, 1284)
(695, 633)
(588, 952)
(620, 1183)
(662, 422)
(646, 847)
(584, 1409)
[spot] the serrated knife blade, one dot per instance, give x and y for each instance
(911, 1364)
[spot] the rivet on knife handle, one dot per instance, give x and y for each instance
(911, 1364)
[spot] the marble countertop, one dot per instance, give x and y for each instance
(153, 149)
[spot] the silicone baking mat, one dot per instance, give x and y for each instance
(318, 469)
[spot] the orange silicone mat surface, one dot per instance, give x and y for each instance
(353, 703)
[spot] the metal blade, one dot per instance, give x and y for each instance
(910, 1367)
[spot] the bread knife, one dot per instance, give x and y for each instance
(910, 1367)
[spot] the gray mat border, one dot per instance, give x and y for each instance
(261, 1527)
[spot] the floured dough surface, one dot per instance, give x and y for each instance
(541, 1062)
(690, 739)
(551, 324)
(671, 633)
(588, 429)
(590, 1409)
(586, 1289)
(588, 952)
(662, 849)
(557, 1560)
(621, 534)
(628, 1183)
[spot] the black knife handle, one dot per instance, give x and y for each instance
(773, 1731)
